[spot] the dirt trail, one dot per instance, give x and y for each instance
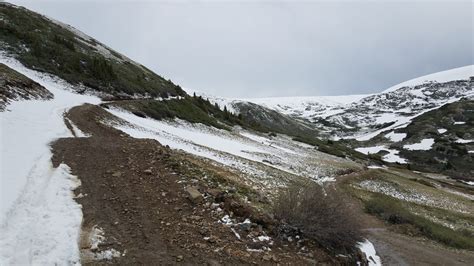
(132, 189)
(396, 249)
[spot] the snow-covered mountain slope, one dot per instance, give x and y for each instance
(308, 107)
(39, 219)
(267, 162)
(460, 73)
(364, 116)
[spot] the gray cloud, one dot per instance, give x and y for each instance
(244, 49)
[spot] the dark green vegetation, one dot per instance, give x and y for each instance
(396, 212)
(192, 109)
(41, 44)
(14, 85)
(446, 156)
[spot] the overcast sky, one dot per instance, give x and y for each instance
(243, 49)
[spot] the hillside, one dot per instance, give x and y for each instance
(49, 46)
(438, 141)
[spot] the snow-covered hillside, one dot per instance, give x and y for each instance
(365, 116)
(266, 161)
(460, 73)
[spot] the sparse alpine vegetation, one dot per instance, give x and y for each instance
(50, 46)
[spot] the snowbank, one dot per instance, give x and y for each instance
(39, 221)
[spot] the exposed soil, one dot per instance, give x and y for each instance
(135, 191)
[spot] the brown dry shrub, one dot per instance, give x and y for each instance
(308, 210)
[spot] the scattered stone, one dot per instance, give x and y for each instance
(179, 258)
(195, 217)
(194, 195)
(148, 171)
(214, 192)
(117, 174)
(212, 239)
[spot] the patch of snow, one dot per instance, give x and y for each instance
(461, 73)
(459, 123)
(391, 157)
(235, 233)
(77, 132)
(371, 150)
(399, 122)
(39, 220)
(254, 250)
(395, 137)
(226, 220)
(424, 145)
(96, 237)
(369, 250)
(442, 130)
(107, 254)
(463, 141)
(376, 167)
(470, 183)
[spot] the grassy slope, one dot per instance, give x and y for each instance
(449, 222)
(446, 156)
(46, 46)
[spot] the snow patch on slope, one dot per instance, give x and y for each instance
(391, 157)
(423, 145)
(395, 137)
